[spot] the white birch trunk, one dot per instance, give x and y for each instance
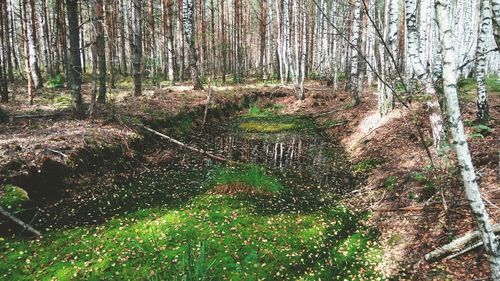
(484, 32)
(435, 114)
(457, 131)
(355, 52)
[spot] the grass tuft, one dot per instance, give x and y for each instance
(244, 179)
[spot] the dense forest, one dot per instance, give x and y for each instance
(249, 140)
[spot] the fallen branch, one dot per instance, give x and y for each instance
(32, 116)
(406, 209)
(458, 246)
(19, 222)
(57, 152)
(334, 125)
(200, 151)
(326, 113)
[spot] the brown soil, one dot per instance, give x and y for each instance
(414, 217)
(237, 189)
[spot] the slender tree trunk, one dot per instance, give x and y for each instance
(110, 19)
(354, 77)
(224, 41)
(435, 115)
(82, 39)
(101, 50)
(7, 44)
(32, 46)
(213, 33)
(46, 35)
(25, 22)
(482, 48)
(137, 7)
(75, 68)
(303, 60)
(123, 56)
(93, 38)
(170, 39)
(495, 4)
(4, 92)
(262, 33)
(188, 12)
(460, 143)
(152, 54)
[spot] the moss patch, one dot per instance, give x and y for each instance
(267, 121)
(14, 198)
(266, 127)
(238, 244)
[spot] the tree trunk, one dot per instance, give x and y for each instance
(137, 7)
(123, 56)
(32, 46)
(75, 68)
(482, 48)
(224, 42)
(459, 141)
(101, 50)
(4, 93)
(262, 34)
(435, 115)
(110, 19)
(495, 4)
(25, 22)
(354, 77)
(7, 44)
(188, 12)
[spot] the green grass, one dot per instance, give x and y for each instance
(253, 176)
(467, 87)
(238, 244)
(58, 100)
(266, 120)
(365, 166)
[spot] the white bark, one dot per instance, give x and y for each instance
(484, 32)
(460, 143)
(355, 52)
(435, 115)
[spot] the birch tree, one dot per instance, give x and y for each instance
(355, 53)
(459, 141)
(484, 31)
(435, 115)
(31, 29)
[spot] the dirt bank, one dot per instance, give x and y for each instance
(416, 207)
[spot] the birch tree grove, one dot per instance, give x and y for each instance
(428, 66)
(459, 141)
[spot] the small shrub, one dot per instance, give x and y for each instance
(390, 182)
(480, 131)
(55, 82)
(367, 165)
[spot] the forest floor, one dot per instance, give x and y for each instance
(416, 207)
